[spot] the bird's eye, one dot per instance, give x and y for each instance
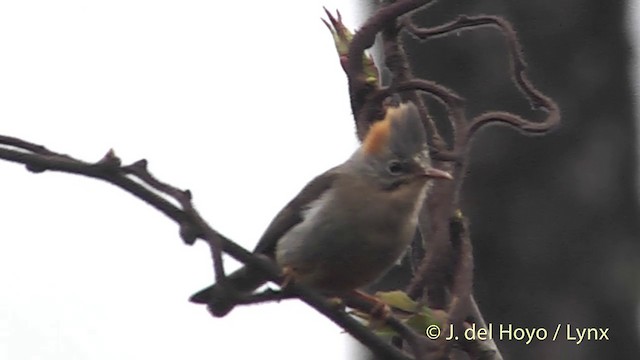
(395, 167)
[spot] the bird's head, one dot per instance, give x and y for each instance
(395, 150)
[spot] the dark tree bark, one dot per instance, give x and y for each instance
(553, 219)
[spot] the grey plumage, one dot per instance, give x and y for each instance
(350, 224)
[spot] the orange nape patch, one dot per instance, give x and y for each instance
(379, 133)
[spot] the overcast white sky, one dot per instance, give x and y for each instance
(241, 107)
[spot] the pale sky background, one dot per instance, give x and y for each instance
(241, 102)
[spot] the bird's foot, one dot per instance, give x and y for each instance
(378, 310)
(336, 303)
(288, 276)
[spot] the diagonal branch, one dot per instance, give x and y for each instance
(138, 181)
(189, 230)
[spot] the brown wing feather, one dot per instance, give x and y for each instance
(291, 214)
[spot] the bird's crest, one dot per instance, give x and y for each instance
(378, 135)
(380, 132)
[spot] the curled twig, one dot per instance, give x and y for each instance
(518, 71)
(446, 270)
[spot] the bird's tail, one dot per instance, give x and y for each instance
(220, 302)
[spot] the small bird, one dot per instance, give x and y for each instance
(349, 225)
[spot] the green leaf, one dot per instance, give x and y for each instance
(422, 320)
(399, 300)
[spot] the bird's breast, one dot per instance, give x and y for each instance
(348, 238)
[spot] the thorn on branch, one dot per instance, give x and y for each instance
(110, 161)
(35, 168)
(268, 295)
(141, 165)
(189, 233)
(187, 194)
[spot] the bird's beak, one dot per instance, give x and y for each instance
(437, 174)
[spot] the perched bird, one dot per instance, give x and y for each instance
(349, 225)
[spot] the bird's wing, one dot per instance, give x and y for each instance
(292, 213)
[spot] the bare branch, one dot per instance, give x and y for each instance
(462, 282)
(150, 189)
